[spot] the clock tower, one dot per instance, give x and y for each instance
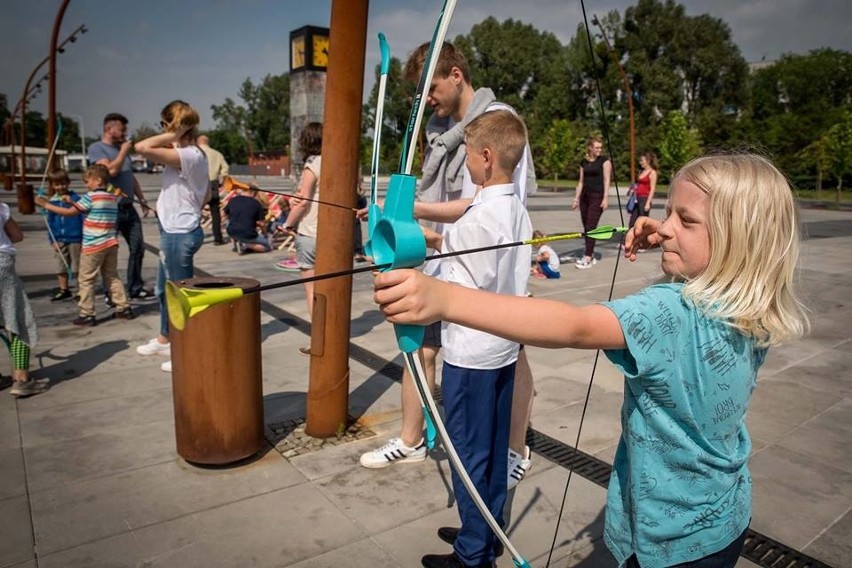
(308, 63)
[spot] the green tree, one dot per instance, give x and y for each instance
(814, 155)
(261, 122)
(838, 149)
(677, 61)
(678, 143)
(69, 136)
(796, 100)
(525, 67)
(557, 149)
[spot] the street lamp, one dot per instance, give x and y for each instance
(26, 204)
(629, 91)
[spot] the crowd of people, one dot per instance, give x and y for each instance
(477, 175)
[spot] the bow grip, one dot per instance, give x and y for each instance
(396, 239)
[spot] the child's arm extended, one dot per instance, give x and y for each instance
(442, 211)
(66, 211)
(407, 296)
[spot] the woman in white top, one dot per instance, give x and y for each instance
(304, 214)
(185, 191)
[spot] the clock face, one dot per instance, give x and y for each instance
(320, 51)
(297, 52)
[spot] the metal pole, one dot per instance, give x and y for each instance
(328, 389)
(629, 91)
(51, 104)
(26, 203)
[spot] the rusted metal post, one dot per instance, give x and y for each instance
(328, 390)
(51, 101)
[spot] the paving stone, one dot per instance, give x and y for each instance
(16, 544)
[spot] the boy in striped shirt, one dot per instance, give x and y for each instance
(100, 245)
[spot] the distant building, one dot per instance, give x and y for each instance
(274, 163)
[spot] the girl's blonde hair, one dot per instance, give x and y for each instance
(750, 281)
(179, 114)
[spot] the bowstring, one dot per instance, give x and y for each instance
(605, 125)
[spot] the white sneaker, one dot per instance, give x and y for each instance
(166, 367)
(518, 467)
(585, 263)
(394, 451)
(154, 347)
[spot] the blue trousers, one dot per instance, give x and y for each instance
(478, 406)
(129, 225)
(176, 253)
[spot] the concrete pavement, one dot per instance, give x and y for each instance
(89, 475)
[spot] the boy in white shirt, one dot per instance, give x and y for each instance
(479, 368)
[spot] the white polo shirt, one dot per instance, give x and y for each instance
(495, 216)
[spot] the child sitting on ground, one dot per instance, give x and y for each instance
(100, 244)
(546, 261)
(245, 216)
(65, 233)
(689, 350)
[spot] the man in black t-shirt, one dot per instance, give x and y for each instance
(245, 214)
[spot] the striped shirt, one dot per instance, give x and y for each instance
(101, 208)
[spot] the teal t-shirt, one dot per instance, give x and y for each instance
(680, 488)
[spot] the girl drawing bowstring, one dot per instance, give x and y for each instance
(689, 349)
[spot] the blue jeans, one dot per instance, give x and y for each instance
(176, 253)
(478, 405)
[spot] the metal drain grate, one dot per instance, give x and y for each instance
(564, 455)
(769, 553)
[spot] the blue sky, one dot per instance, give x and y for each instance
(138, 56)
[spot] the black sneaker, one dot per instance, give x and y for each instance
(143, 294)
(126, 314)
(450, 534)
(85, 321)
(448, 561)
(61, 294)
(108, 302)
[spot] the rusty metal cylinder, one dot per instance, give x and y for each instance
(217, 377)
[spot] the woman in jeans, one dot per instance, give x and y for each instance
(185, 191)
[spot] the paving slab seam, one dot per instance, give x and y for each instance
(828, 528)
(131, 529)
(27, 483)
(64, 405)
(112, 473)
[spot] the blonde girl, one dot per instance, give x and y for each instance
(689, 350)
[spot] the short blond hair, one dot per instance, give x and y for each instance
(501, 131)
(97, 171)
(750, 280)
